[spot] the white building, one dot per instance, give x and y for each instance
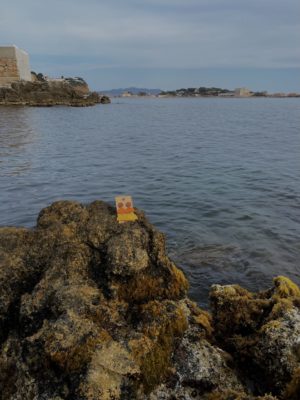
(242, 92)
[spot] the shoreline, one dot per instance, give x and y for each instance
(204, 97)
(50, 93)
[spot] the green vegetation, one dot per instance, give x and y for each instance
(196, 92)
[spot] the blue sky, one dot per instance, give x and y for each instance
(164, 44)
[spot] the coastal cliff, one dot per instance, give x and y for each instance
(70, 92)
(95, 310)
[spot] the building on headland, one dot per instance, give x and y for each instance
(126, 94)
(14, 65)
(242, 92)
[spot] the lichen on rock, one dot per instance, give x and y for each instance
(95, 310)
(67, 316)
(263, 332)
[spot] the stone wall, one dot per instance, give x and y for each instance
(23, 65)
(8, 66)
(14, 65)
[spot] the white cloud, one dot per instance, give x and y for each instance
(164, 33)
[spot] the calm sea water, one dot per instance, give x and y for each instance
(221, 177)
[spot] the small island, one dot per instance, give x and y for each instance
(219, 92)
(20, 86)
(201, 91)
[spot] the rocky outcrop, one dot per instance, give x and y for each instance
(70, 92)
(105, 99)
(263, 332)
(95, 310)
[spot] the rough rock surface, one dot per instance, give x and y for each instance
(68, 92)
(262, 331)
(95, 310)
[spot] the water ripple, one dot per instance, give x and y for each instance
(219, 177)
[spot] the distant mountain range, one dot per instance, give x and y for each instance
(132, 90)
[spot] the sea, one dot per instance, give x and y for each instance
(220, 177)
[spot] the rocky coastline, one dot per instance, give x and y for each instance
(46, 93)
(95, 310)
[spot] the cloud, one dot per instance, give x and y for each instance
(155, 33)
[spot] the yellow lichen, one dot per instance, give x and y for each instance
(200, 317)
(68, 231)
(280, 308)
(285, 288)
(146, 287)
(161, 316)
(154, 349)
(179, 281)
(237, 310)
(76, 358)
(204, 320)
(111, 364)
(83, 353)
(286, 295)
(141, 288)
(234, 291)
(273, 324)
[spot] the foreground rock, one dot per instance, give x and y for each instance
(70, 92)
(91, 310)
(263, 332)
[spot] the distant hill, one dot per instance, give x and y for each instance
(132, 90)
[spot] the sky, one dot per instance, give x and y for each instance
(166, 44)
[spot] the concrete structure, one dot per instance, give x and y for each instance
(126, 94)
(14, 65)
(242, 92)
